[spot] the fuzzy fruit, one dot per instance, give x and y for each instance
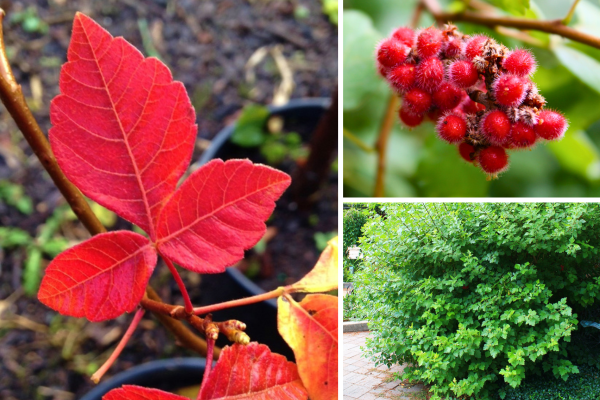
(447, 96)
(522, 136)
(429, 42)
(520, 62)
(405, 36)
(430, 74)
(452, 128)
(467, 152)
(390, 53)
(495, 125)
(463, 74)
(510, 90)
(409, 118)
(551, 125)
(474, 46)
(417, 100)
(493, 159)
(453, 48)
(403, 77)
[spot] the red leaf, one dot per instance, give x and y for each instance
(217, 213)
(123, 130)
(100, 278)
(253, 372)
(130, 392)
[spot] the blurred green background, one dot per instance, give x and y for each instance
(419, 164)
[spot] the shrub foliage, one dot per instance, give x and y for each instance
(471, 295)
(354, 219)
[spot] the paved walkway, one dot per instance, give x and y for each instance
(364, 381)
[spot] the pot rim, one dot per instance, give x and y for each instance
(144, 372)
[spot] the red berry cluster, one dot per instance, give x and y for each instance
(478, 92)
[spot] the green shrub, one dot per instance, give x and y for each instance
(354, 219)
(472, 295)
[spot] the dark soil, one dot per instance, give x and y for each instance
(206, 44)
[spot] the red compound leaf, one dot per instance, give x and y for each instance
(253, 372)
(217, 213)
(123, 131)
(130, 392)
(100, 278)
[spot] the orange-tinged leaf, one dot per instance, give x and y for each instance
(217, 213)
(130, 392)
(100, 278)
(324, 276)
(123, 131)
(310, 329)
(252, 372)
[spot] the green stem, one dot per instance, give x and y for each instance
(354, 139)
(569, 16)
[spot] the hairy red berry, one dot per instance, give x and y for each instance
(429, 42)
(519, 62)
(522, 136)
(417, 101)
(495, 125)
(551, 125)
(430, 74)
(405, 35)
(391, 52)
(452, 128)
(453, 48)
(493, 159)
(409, 118)
(474, 46)
(510, 90)
(403, 77)
(447, 96)
(463, 74)
(467, 152)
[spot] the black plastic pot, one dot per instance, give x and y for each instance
(260, 318)
(168, 375)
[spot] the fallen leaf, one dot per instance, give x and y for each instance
(253, 372)
(100, 278)
(310, 329)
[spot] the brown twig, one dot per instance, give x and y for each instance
(14, 101)
(555, 27)
(382, 141)
(388, 123)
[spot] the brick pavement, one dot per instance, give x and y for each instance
(364, 381)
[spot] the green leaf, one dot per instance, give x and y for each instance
(443, 173)
(249, 129)
(13, 237)
(581, 65)
(330, 8)
(32, 273)
(360, 74)
(54, 247)
(577, 153)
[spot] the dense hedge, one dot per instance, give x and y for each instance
(354, 219)
(476, 294)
